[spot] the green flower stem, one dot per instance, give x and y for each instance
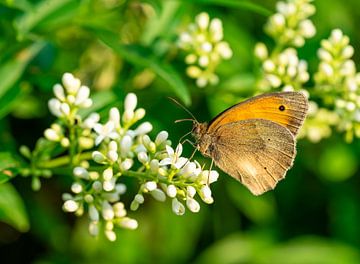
(73, 145)
(62, 161)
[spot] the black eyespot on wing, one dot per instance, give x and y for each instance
(281, 108)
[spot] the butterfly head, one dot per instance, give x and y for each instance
(198, 130)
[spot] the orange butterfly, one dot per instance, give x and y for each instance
(254, 141)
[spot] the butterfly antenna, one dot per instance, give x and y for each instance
(186, 110)
(185, 119)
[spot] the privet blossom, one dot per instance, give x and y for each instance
(121, 147)
(203, 42)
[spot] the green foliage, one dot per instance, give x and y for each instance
(12, 209)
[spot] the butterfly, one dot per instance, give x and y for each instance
(254, 141)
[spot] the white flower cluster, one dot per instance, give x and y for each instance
(205, 47)
(290, 26)
(69, 99)
(339, 82)
(318, 123)
(178, 178)
(122, 149)
(283, 70)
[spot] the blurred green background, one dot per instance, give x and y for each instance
(312, 216)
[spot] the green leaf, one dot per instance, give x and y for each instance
(247, 5)
(8, 166)
(8, 100)
(19, 4)
(158, 24)
(144, 57)
(12, 70)
(42, 11)
(12, 209)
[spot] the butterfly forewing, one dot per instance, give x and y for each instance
(287, 109)
(256, 152)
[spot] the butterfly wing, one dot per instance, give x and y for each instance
(256, 152)
(287, 109)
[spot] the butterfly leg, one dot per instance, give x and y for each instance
(191, 143)
(181, 139)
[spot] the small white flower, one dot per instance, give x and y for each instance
(139, 198)
(171, 191)
(154, 166)
(120, 188)
(158, 195)
(70, 206)
(81, 172)
(125, 145)
(54, 107)
(59, 92)
(107, 211)
(76, 187)
(97, 186)
(94, 228)
(144, 128)
(113, 155)
(347, 52)
(307, 28)
(130, 102)
(126, 164)
(65, 109)
(206, 194)
(71, 83)
(191, 191)
(336, 35)
(52, 135)
(189, 170)
(105, 131)
(177, 207)
(109, 185)
(108, 174)
(89, 198)
(128, 223)
(192, 204)
(261, 51)
(134, 205)
(82, 96)
(93, 213)
(98, 157)
(91, 121)
(150, 186)
(274, 80)
(174, 157)
(114, 116)
(139, 114)
(143, 157)
(202, 20)
(119, 210)
(110, 235)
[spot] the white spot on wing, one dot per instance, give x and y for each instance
(249, 168)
